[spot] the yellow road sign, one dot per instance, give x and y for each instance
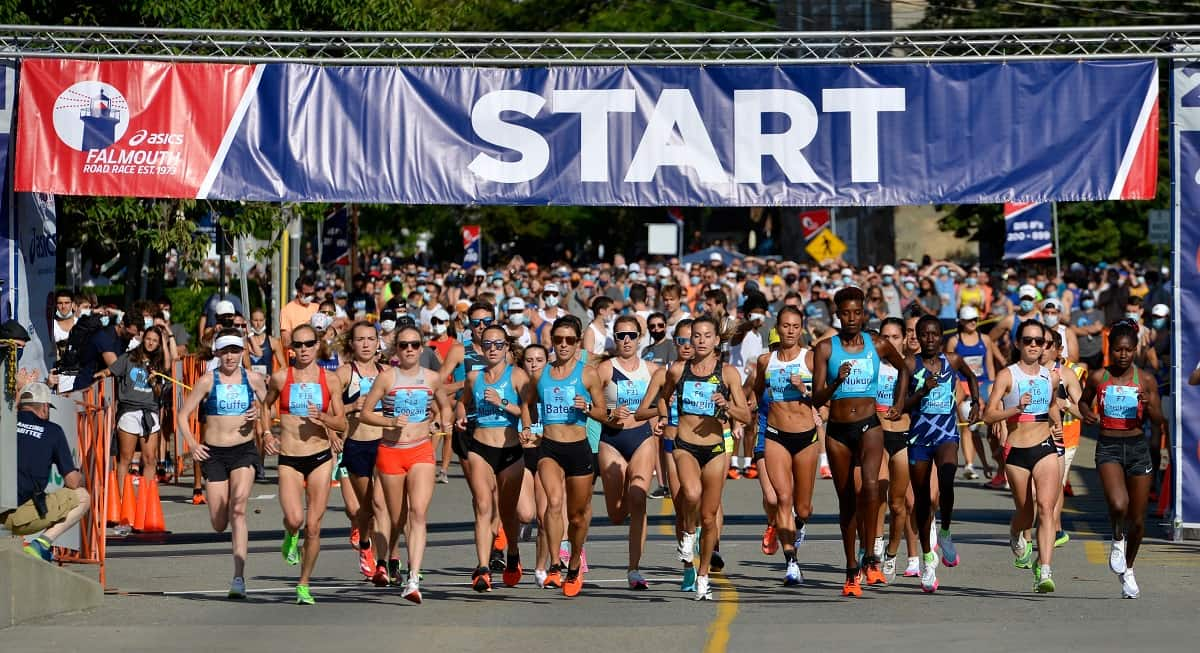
(825, 246)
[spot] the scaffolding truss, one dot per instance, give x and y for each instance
(556, 49)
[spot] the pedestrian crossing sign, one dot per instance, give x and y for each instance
(825, 246)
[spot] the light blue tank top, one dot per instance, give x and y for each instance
(558, 397)
(490, 416)
(865, 372)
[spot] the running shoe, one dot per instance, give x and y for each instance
(501, 541)
(573, 583)
(380, 577)
(826, 472)
(303, 597)
(750, 471)
(716, 562)
(734, 473)
(636, 580)
(1116, 557)
(412, 591)
(688, 584)
(160, 473)
(970, 474)
(703, 593)
(291, 551)
(660, 492)
(852, 586)
(395, 571)
(1045, 582)
(929, 581)
(481, 580)
(889, 568)
(40, 547)
(1068, 491)
(1129, 586)
(583, 559)
(877, 550)
(366, 564)
(354, 538)
(496, 563)
(539, 578)
(793, 576)
(512, 571)
(998, 482)
(198, 498)
(1061, 539)
(553, 577)
(686, 549)
(948, 550)
(874, 575)
(237, 588)
(801, 534)
(913, 568)
(770, 541)
(122, 530)
(1023, 550)
(564, 553)
(442, 477)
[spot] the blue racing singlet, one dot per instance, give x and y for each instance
(229, 398)
(863, 375)
(558, 397)
(694, 394)
(488, 415)
(934, 421)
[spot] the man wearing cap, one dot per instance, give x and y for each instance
(1027, 309)
(299, 310)
(1087, 324)
(890, 290)
(516, 322)
(209, 318)
(551, 310)
(40, 444)
(1052, 318)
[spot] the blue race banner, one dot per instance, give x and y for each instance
(1029, 231)
(826, 135)
(335, 238)
(472, 235)
(1185, 169)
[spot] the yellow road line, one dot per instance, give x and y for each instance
(666, 507)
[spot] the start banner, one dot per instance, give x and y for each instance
(824, 135)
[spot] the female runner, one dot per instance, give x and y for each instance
(845, 374)
(404, 466)
(628, 448)
(1021, 397)
(1124, 397)
(310, 417)
(533, 361)
(895, 450)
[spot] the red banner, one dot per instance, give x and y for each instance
(812, 222)
(472, 247)
(123, 128)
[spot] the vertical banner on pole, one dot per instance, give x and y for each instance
(335, 238)
(37, 235)
(1185, 171)
(472, 246)
(1029, 232)
(8, 224)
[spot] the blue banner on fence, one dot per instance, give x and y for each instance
(825, 135)
(1185, 167)
(1029, 231)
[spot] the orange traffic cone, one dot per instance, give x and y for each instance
(128, 499)
(113, 510)
(154, 513)
(139, 516)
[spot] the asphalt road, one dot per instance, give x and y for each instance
(170, 595)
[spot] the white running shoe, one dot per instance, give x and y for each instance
(412, 590)
(878, 550)
(1129, 586)
(929, 581)
(913, 568)
(801, 534)
(539, 577)
(702, 591)
(1116, 557)
(237, 588)
(889, 567)
(687, 547)
(636, 580)
(793, 576)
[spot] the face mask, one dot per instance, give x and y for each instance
(551, 301)
(657, 335)
(695, 281)
(167, 316)
(1134, 316)
(908, 285)
(103, 320)
(83, 312)
(757, 317)
(1052, 293)
(846, 279)
(972, 281)
(258, 332)
(516, 319)
(1141, 281)
(1011, 288)
(1050, 320)
(1026, 305)
(1159, 323)
(388, 326)
(1088, 304)
(439, 329)
(943, 270)
(62, 316)
(887, 280)
(307, 299)
(147, 322)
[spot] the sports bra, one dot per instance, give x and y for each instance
(1037, 386)
(362, 388)
(489, 415)
(295, 398)
(627, 388)
(1120, 409)
(864, 373)
(694, 394)
(408, 396)
(885, 387)
(779, 377)
(228, 398)
(558, 397)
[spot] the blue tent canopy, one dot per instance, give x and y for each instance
(704, 255)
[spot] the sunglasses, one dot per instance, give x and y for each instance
(488, 345)
(625, 335)
(549, 294)
(1026, 341)
(329, 313)
(303, 344)
(436, 322)
(408, 344)
(683, 342)
(487, 321)
(564, 340)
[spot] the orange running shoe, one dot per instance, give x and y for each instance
(512, 572)
(852, 586)
(554, 577)
(354, 537)
(366, 563)
(481, 580)
(198, 498)
(770, 541)
(501, 541)
(734, 474)
(875, 574)
(573, 583)
(380, 577)
(751, 472)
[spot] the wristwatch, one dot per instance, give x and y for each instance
(504, 403)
